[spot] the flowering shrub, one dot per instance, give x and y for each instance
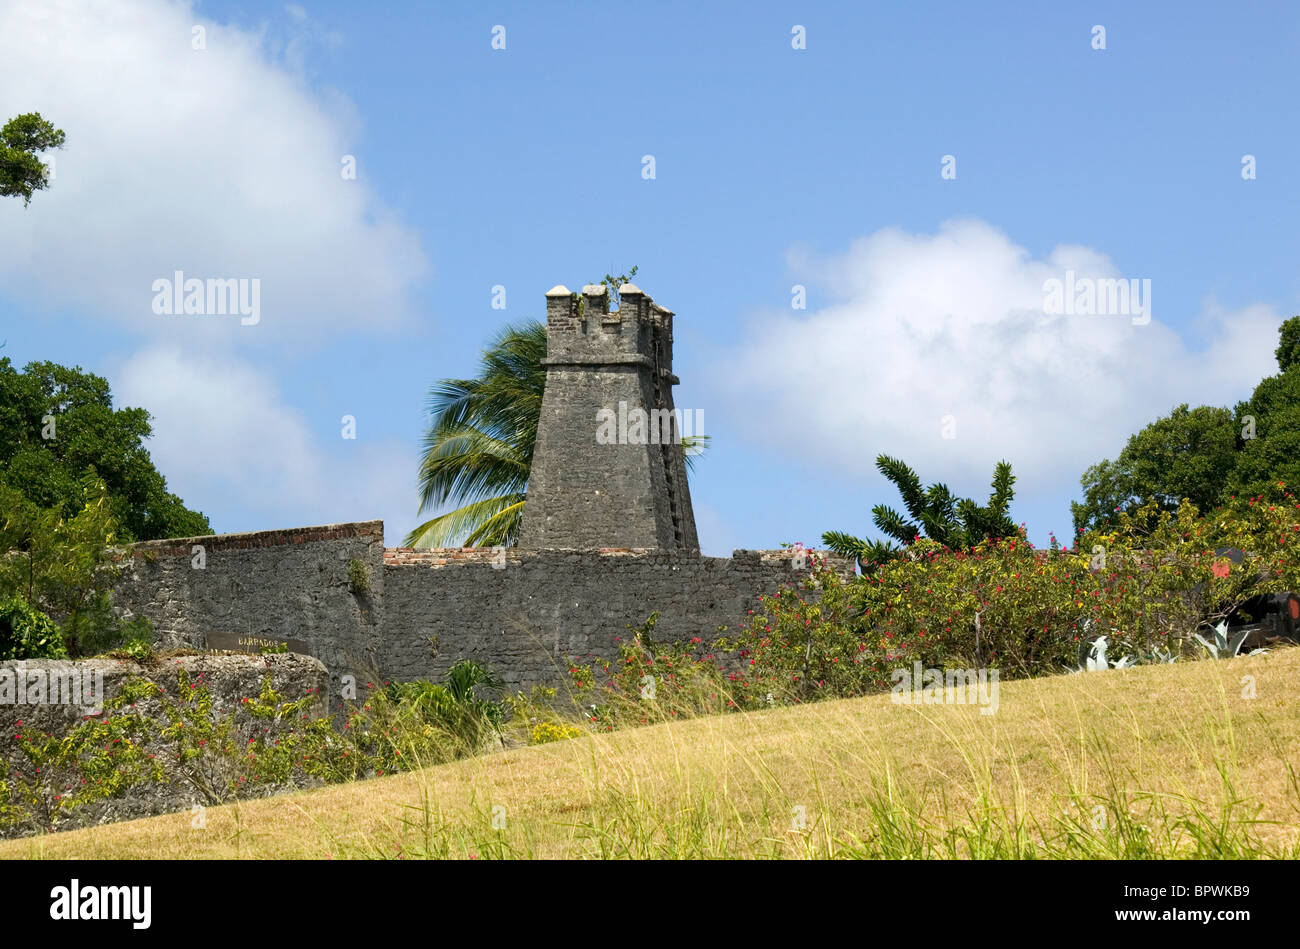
(1163, 576)
(653, 682)
(1148, 585)
(802, 641)
(148, 735)
(544, 732)
(53, 775)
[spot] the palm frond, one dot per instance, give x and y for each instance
(449, 529)
(499, 530)
(868, 553)
(693, 446)
(467, 463)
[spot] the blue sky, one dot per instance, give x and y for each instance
(774, 167)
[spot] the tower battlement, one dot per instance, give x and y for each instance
(581, 329)
(586, 492)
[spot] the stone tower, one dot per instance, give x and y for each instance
(598, 478)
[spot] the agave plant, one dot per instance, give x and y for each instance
(1094, 660)
(1092, 656)
(1223, 646)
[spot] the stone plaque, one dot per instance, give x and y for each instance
(252, 642)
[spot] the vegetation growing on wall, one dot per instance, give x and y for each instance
(161, 731)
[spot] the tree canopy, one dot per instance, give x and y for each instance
(22, 173)
(956, 523)
(1205, 454)
(58, 426)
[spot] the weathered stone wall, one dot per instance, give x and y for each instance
(286, 584)
(525, 612)
(229, 679)
(520, 612)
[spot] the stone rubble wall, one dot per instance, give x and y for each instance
(520, 612)
(229, 679)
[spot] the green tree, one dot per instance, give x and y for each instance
(65, 566)
(1273, 454)
(1206, 454)
(937, 514)
(478, 450)
(1188, 454)
(1288, 350)
(58, 425)
(21, 172)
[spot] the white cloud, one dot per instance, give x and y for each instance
(221, 431)
(219, 162)
(926, 326)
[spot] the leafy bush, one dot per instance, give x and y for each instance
(1149, 589)
(27, 633)
(455, 707)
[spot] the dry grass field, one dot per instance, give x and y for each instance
(1156, 761)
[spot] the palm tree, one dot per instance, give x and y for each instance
(479, 448)
(957, 523)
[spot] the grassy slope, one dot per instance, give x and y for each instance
(871, 777)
